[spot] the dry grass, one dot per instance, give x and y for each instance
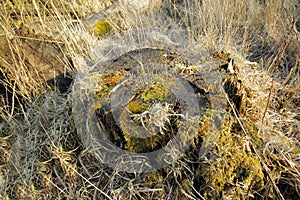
(41, 155)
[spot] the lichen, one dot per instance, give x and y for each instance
(113, 80)
(105, 85)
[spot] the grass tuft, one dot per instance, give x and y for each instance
(254, 155)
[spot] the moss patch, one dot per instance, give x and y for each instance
(155, 92)
(101, 28)
(235, 170)
(137, 107)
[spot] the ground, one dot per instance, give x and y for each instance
(47, 46)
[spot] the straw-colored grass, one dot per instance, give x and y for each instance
(41, 155)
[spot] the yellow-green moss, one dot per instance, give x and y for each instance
(235, 169)
(137, 107)
(142, 144)
(155, 92)
(101, 28)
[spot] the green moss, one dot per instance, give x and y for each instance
(101, 28)
(139, 140)
(137, 107)
(235, 170)
(155, 92)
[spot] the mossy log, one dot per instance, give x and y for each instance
(152, 115)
